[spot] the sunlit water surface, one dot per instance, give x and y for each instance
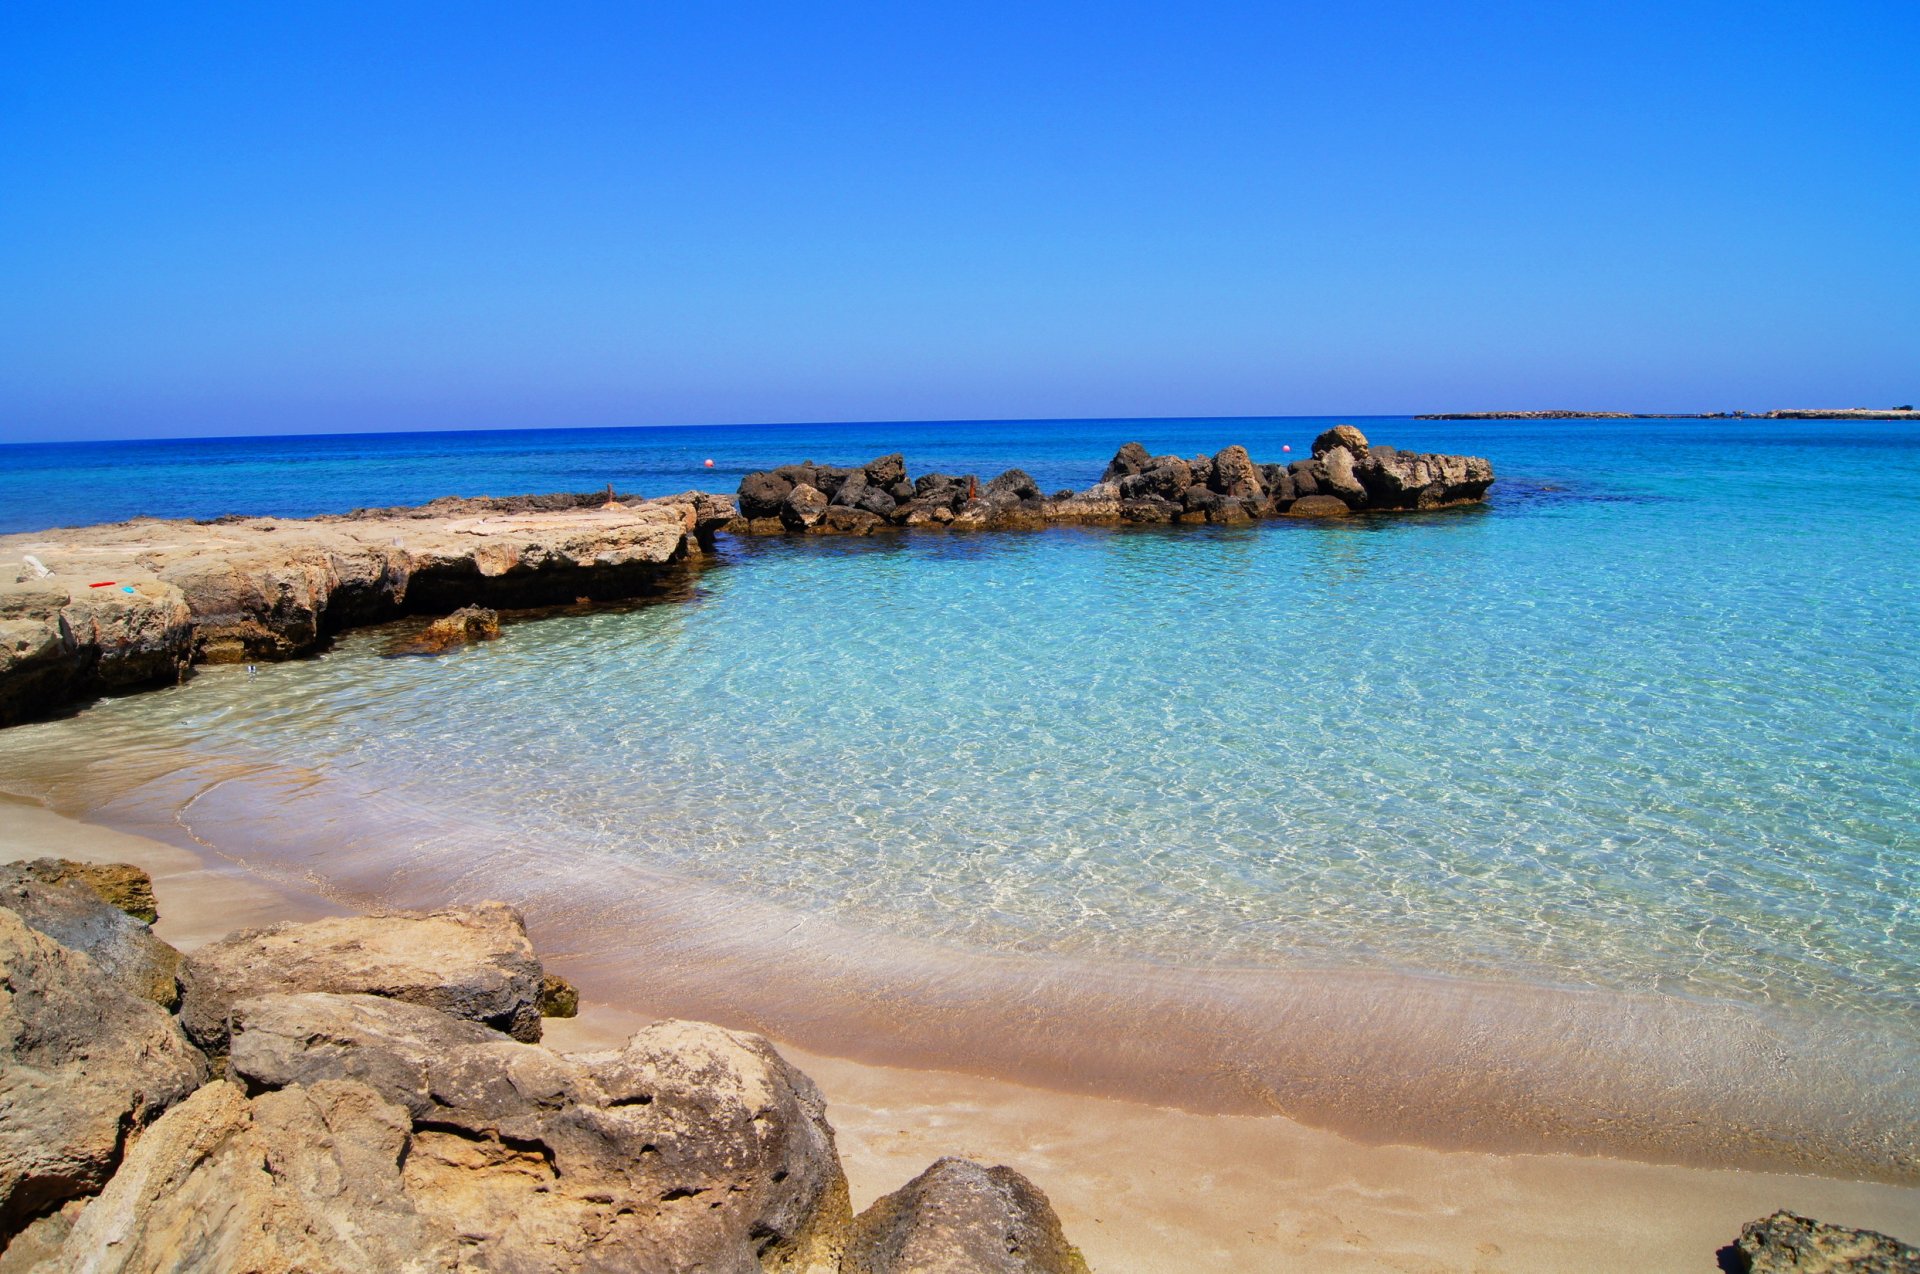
(1648, 722)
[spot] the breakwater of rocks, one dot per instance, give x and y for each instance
(1345, 475)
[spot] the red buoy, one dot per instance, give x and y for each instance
(1284, 447)
(709, 464)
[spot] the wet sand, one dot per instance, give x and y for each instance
(1143, 1187)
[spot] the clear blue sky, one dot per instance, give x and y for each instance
(239, 218)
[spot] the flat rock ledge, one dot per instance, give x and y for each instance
(94, 610)
(356, 1108)
(1345, 475)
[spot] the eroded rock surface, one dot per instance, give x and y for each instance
(91, 610)
(122, 884)
(472, 962)
(395, 1137)
(465, 626)
(1788, 1244)
(82, 1065)
(959, 1217)
(123, 949)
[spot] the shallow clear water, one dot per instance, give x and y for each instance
(1648, 722)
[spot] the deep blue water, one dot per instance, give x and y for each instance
(1649, 721)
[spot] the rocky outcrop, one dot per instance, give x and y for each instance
(83, 1066)
(121, 884)
(473, 963)
(1788, 1244)
(462, 628)
(123, 949)
(93, 610)
(382, 1122)
(1345, 475)
(959, 1217)
(690, 1148)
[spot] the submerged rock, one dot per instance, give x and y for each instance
(1788, 1244)
(464, 627)
(82, 1065)
(959, 1217)
(469, 962)
(1319, 506)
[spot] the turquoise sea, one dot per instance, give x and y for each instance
(1649, 722)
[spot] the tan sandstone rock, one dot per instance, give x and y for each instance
(82, 1065)
(125, 886)
(959, 1217)
(470, 962)
(691, 1148)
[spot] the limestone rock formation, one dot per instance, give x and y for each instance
(123, 949)
(122, 884)
(1342, 437)
(469, 962)
(959, 1217)
(690, 1148)
(134, 603)
(82, 1065)
(1788, 1244)
(464, 627)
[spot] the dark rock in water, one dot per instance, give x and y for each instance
(887, 471)
(83, 1066)
(1341, 479)
(1279, 484)
(805, 505)
(1319, 506)
(1130, 459)
(1341, 436)
(1164, 477)
(558, 998)
(858, 493)
(122, 884)
(1016, 483)
(1306, 475)
(1233, 473)
(1788, 1244)
(465, 626)
(121, 947)
(762, 494)
(841, 520)
(901, 491)
(959, 1217)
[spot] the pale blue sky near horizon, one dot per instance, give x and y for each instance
(235, 219)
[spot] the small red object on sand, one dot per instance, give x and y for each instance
(105, 583)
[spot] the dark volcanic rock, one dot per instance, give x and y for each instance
(1788, 1244)
(959, 1217)
(763, 494)
(887, 471)
(1130, 459)
(1233, 473)
(1015, 483)
(121, 947)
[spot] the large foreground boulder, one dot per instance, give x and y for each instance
(1788, 1244)
(959, 1217)
(470, 962)
(384, 1135)
(123, 949)
(83, 1064)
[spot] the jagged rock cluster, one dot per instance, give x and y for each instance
(1788, 1244)
(99, 609)
(1344, 475)
(370, 1093)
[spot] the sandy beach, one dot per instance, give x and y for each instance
(1143, 1187)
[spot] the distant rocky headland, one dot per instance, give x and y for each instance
(1344, 475)
(94, 610)
(1794, 413)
